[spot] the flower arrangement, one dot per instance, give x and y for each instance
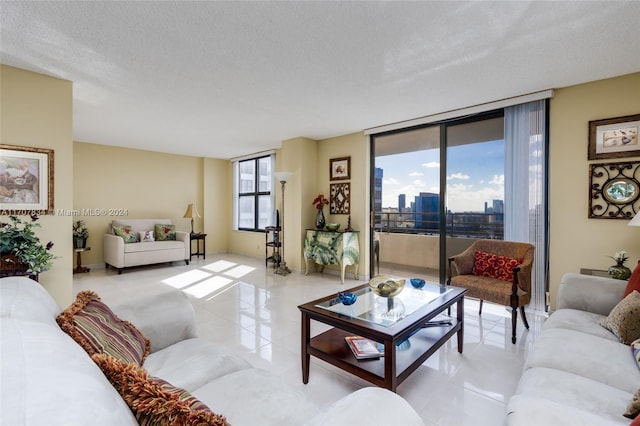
(320, 201)
(18, 239)
(80, 229)
(620, 257)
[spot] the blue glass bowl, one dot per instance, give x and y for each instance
(347, 298)
(417, 282)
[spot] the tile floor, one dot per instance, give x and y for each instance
(244, 306)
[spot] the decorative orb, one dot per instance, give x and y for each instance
(347, 298)
(385, 286)
(417, 282)
(332, 226)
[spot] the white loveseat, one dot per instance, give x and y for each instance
(48, 379)
(577, 373)
(121, 255)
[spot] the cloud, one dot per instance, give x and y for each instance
(458, 176)
(390, 181)
(415, 174)
(498, 180)
(431, 165)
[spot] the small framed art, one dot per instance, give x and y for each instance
(340, 168)
(26, 180)
(614, 137)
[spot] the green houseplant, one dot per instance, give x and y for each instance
(21, 250)
(80, 234)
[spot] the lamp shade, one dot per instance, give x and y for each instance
(635, 221)
(191, 212)
(283, 176)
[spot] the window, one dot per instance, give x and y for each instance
(254, 202)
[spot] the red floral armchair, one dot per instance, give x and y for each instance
(496, 271)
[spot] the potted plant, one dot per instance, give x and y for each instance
(21, 252)
(80, 234)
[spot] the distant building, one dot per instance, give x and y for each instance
(377, 196)
(402, 199)
(427, 211)
(498, 206)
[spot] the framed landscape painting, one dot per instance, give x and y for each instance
(614, 137)
(26, 180)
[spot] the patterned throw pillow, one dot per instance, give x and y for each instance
(495, 266)
(635, 350)
(624, 319)
(126, 233)
(165, 232)
(154, 401)
(98, 330)
(145, 236)
(633, 409)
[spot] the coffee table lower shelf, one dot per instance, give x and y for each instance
(331, 347)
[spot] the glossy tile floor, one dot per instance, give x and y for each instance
(241, 304)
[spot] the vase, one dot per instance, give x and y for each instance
(320, 222)
(619, 271)
(79, 242)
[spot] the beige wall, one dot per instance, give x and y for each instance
(576, 241)
(116, 183)
(36, 111)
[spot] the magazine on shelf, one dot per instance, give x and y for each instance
(363, 348)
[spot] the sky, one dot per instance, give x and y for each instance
(475, 174)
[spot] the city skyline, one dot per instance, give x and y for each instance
(475, 175)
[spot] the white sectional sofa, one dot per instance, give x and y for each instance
(46, 378)
(121, 255)
(577, 373)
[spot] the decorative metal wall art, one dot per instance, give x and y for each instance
(614, 190)
(340, 198)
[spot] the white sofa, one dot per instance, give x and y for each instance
(577, 372)
(121, 255)
(48, 379)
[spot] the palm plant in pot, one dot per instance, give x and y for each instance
(80, 234)
(21, 252)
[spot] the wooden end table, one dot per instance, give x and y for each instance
(79, 268)
(199, 251)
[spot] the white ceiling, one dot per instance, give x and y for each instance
(224, 79)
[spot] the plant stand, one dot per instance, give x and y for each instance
(79, 268)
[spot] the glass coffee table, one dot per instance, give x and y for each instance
(406, 325)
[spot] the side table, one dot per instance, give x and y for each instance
(79, 268)
(199, 251)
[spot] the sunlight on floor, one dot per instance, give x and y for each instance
(186, 278)
(202, 284)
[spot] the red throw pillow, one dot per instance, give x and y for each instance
(634, 281)
(495, 266)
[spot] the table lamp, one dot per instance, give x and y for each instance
(191, 213)
(635, 221)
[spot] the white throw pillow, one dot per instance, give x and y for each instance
(146, 236)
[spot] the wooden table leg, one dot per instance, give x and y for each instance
(306, 338)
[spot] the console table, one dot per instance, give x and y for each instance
(332, 248)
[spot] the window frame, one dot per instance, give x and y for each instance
(255, 193)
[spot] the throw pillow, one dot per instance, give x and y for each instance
(634, 281)
(152, 400)
(126, 233)
(633, 409)
(165, 232)
(98, 330)
(624, 319)
(635, 350)
(146, 236)
(495, 266)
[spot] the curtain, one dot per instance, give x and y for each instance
(526, 212)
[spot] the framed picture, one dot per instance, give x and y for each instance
(340, 168)
(26, 180)
(340, 200)
(614, 190)
(614, 137)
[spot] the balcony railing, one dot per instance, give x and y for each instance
(461, 225)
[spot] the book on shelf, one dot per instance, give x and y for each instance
(364, 348)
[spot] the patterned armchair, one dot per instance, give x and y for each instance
(484, 269)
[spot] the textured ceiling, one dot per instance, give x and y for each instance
(224, 79)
